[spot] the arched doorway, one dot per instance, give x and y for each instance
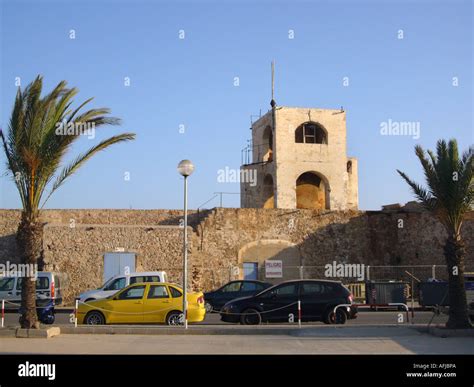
(268, 196)
(312, 192)
(257, 252)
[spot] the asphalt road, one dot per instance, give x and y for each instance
(388, 317)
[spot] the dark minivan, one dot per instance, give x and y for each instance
(279, 303)
(216, 299)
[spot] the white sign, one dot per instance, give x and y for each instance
(273, 269)
(235, 271)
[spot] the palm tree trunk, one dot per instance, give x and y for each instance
(454, 254)
(29, 240)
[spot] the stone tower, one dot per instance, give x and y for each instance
(299, 159)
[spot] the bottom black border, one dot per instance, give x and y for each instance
(365, 370)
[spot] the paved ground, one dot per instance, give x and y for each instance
(320, 340)
(356, 337)
(364, 317)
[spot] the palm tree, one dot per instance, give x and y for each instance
(40, 133)
(449, 196)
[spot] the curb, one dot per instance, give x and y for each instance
(43, 333)
(206, 330)
(176, 331)
(305, 331)
(445, 332)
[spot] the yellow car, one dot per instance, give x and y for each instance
(143, 303)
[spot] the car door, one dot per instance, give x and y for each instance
(42, 286)
(8, 292)
(249, 288)
(280, 303)
(314, 298)
(227, 293)
(127, 306)
(157, 304)
(43, 289)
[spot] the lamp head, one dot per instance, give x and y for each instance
(185, 168)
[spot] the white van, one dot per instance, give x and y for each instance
(118, 282)
(48, 287)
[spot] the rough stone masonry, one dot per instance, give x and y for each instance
(222, 239)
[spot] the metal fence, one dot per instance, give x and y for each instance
(208, 278)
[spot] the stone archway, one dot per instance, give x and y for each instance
(312, 191)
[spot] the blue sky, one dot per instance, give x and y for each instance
(190, 82)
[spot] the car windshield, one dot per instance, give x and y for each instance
(7, 283)
(107, 283)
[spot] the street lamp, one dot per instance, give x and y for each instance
(185, 168)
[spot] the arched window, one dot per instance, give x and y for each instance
(267, 144)
(349, 166)
(311, 133)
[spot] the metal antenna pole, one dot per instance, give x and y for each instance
(273, 80)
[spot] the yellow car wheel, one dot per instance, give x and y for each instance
(94, 318)
(174, 318)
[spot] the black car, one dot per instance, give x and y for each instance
(279, 303)
(216, 299)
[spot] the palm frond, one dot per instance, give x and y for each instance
(81, 159)
(450, 187)
(35, 149)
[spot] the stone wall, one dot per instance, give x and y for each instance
(75, 241)
(222, 239)
(396, 238)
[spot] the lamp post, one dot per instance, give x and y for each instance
(185, 168)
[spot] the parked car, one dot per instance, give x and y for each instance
(153, 302)
(279, 303)
(216, 299)
(48, 289)
(118, 282)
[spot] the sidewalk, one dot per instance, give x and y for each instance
(330, 340)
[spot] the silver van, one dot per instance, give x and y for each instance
(48, 287)
(118, 282)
